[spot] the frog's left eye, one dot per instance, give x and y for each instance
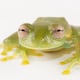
(57, 31)
(23, 31)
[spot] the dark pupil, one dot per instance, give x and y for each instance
(58, 30)
(21, 30)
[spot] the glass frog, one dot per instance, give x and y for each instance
(44, 34)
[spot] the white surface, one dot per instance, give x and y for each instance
(15, 12)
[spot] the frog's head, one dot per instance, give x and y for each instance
(44, 36)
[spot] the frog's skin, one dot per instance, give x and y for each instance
(45, 34)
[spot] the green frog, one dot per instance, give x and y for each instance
(46, 34)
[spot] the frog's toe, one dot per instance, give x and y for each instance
(66, 61)
(4, 59)
(66, 72)
(63, 63)
(25, 62)
(11, 57)
(3, 53)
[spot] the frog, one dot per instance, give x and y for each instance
(45, 34)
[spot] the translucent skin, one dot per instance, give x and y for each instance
(45, 34)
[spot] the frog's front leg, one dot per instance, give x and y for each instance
(24, 59)
(18, 51)
(73, 62)
(74, 59)
(7, 49)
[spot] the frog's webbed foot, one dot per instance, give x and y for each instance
(17, 52)
(73, 61)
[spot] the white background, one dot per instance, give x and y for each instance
(15, 12)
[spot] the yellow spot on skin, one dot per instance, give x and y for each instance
(66, 72)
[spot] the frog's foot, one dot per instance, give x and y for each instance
(4, 59)
(69, 59)
(8, 58)
(68, 70)
(73, 61)
(36, 53)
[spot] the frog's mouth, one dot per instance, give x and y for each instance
(53, 45)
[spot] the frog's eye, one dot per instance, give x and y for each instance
(57, 31)
(23, 31)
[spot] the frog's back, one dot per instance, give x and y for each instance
(50, 20)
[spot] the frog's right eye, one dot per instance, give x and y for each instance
(23, 31)
(57, 31)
